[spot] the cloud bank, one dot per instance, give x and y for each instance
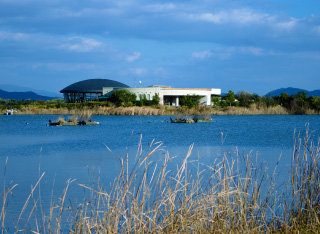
(207, 43)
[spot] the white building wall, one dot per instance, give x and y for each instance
(205, 93)
(107, 91)
(150, 92)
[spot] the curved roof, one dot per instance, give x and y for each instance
(92, 85)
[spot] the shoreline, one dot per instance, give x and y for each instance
(161, 111)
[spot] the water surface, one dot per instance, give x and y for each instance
(82, 152)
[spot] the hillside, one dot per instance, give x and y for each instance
(15, 88)
(22, 96)
(292, 91)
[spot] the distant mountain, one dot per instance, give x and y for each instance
(315, 93)
(15, 88)
(22, 96)
(292, 91)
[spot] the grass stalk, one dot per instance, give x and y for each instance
(235, 194)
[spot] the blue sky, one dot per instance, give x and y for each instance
(252, 45)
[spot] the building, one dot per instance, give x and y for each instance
(91, 89)
(96, 89)
(171, 96)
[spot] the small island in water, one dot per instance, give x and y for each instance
(83, 118)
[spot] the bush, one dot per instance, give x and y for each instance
(122, 97)
(156, 99)
(190, 101)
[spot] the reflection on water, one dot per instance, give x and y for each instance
(92, 153)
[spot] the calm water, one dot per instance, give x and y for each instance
(79, 152)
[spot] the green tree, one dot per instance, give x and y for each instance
(316, 103)
(244, 98)
(59, 103)
(190, 101)
(223, 103)
(230, 98)
(285, 100)
(302, 95)
(256, 98)
(143, 101)
(156, 99)
(299, 104)
(269, 101)
(123, 97)
(215, 101)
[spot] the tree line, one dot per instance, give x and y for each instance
(118, 98)
(297, 104)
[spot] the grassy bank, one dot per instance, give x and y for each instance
(159, 110)
(58, 107)
(233, 195)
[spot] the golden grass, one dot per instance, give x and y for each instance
(160, 110)
(234, 195)
(61, 120)
(85, 114)
(252, 110)
(73, 119)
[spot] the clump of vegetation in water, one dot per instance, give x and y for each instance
(61, 120)
(73, 119)
(85, 115)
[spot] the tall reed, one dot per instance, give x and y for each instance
(159, 110)
(235, 194)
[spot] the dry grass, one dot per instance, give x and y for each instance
(61, 120)
(73, 119)
(234, 195)
(252, 110)
(160, 110)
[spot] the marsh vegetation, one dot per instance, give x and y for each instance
(124, 103)
(235, 194)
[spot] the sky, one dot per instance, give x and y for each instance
(251, 45)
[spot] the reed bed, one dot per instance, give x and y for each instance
(252, 110)
(100, 110)
(234, 195)
(160, 110)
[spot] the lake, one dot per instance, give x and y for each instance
(91, 153)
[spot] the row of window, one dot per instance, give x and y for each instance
(147, 96)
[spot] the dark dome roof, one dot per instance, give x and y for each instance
(92, 85)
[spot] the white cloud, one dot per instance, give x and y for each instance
(318, 30)
(238, 16)
(160, 7)
(135, 56)
(69, 67)
(251, 50)
(86, 12)
(245, 17)
(287, 25)
(307, 55)
(249, 16)
(202, 54)
(209, 17)
(78, 44)
(14, 36)
(139, 71)
(160, 71)
(227, 52)
(81, 44)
